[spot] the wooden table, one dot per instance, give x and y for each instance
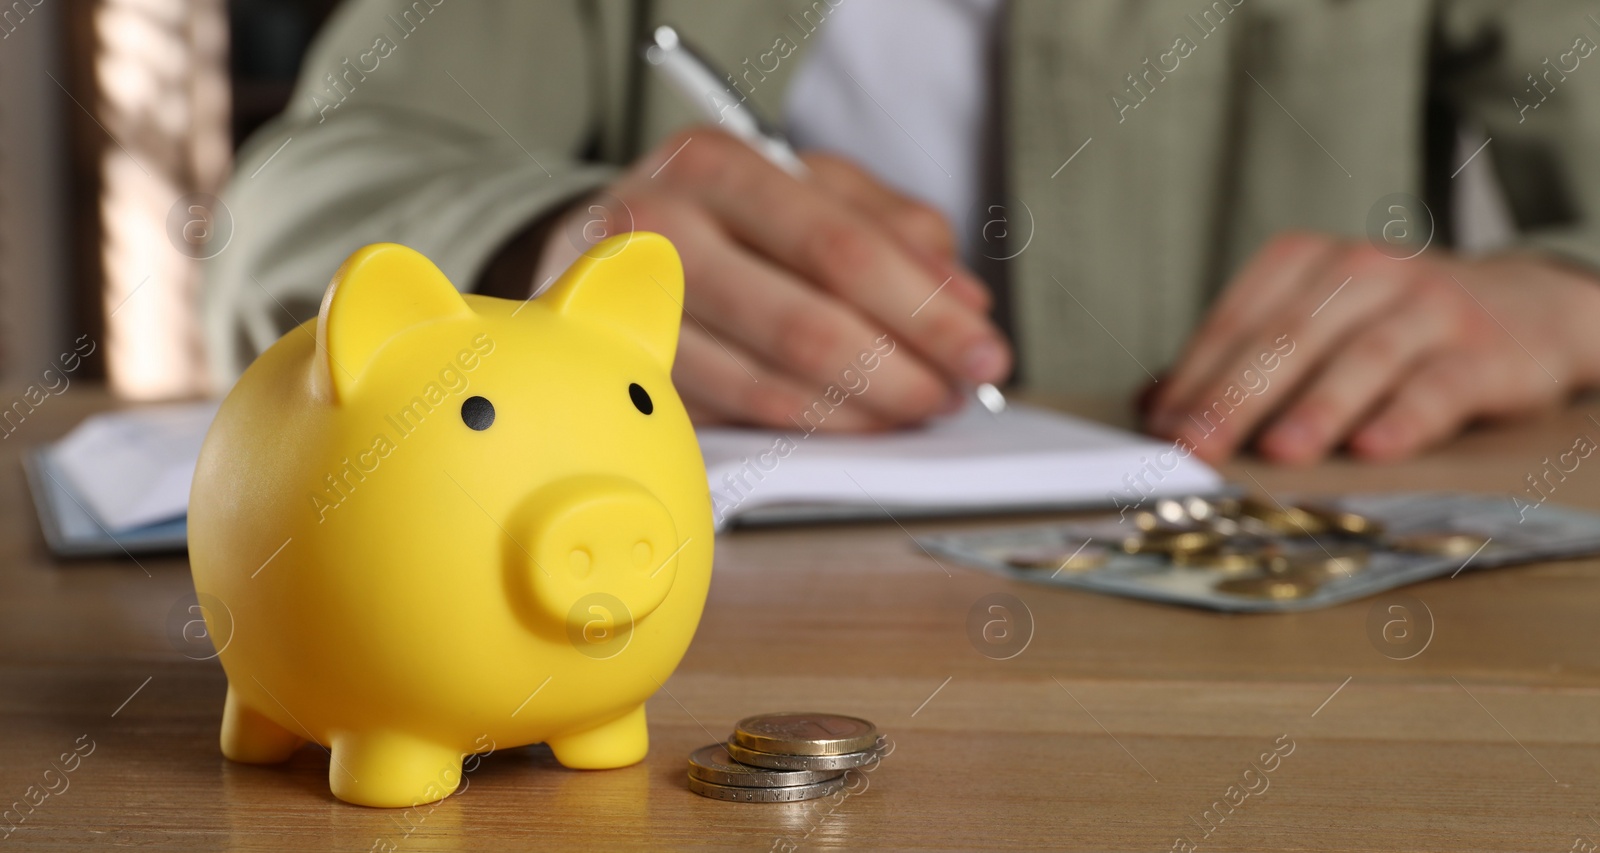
(1117, 728)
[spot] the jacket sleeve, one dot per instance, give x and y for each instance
(444, 125)
(1528, 74)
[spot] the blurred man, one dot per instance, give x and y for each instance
(1249, 203)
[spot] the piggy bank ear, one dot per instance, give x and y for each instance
(632, 283)
(379, 292)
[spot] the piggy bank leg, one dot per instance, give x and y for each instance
(392, 770)
(250, 738)
(619, 743)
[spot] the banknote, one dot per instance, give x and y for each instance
(1260, 560)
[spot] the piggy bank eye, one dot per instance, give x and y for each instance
(641, 398)
(477, 413)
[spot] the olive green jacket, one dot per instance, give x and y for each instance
(1196, 131)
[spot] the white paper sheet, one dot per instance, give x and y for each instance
(133, 468)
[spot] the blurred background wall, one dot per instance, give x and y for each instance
(118, 119)
(34, 298)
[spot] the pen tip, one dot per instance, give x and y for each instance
(991, 398)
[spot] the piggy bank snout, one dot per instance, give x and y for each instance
(599, 541)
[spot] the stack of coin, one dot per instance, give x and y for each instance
(782, 758)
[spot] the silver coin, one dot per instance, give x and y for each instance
(777, 761)
(1172, 511)
(1200, 509)
(790, 794)
(805, 733)
(714, 764)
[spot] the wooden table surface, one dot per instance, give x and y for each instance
(1117, 728)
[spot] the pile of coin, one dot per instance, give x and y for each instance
(783, 758)
(1261, 549)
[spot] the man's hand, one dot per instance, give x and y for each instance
(1384, 356)
(790, 283)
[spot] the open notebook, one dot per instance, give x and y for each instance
(120, 480)
(1024, 458)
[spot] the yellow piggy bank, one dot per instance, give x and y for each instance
(442, 524)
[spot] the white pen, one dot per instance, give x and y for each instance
(706, 89)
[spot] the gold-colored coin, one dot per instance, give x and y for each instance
(1169, 541)
(1063, 558)
(1283, 520)
(1271, 587)
(1317, 565)
(805, 733)
(1223, 558)
(1226, 508)
(1343, 520)
(1439, 544)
